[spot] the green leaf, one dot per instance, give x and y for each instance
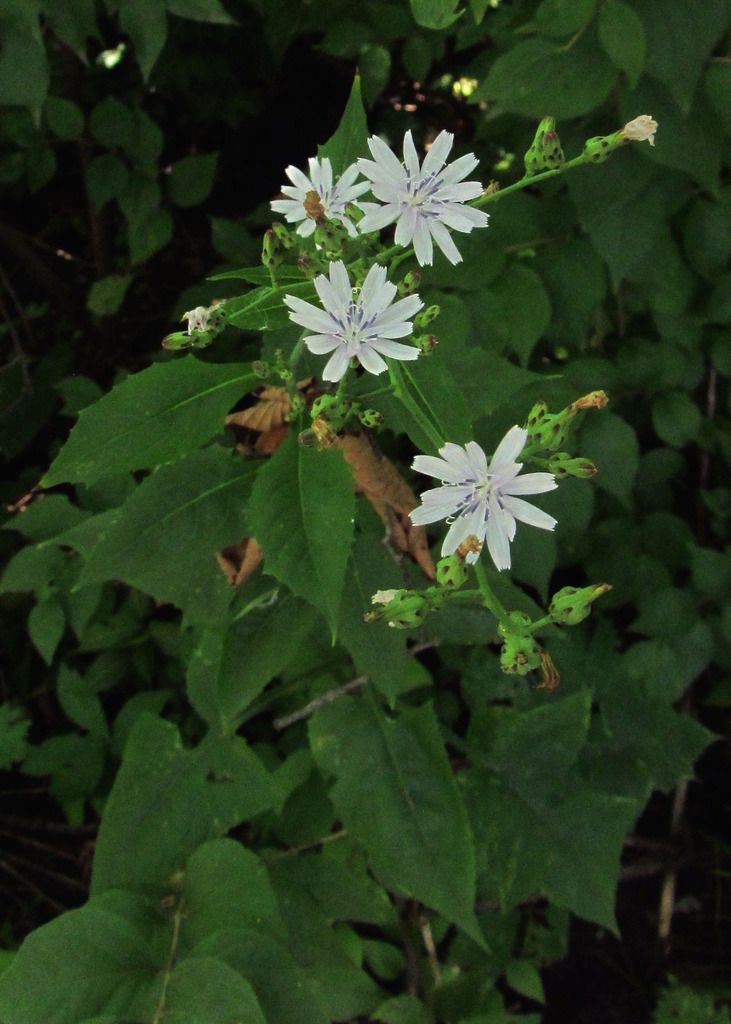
(560, 18)
(207, 991)
(106, 179)
(72, 23)
(171, 800)
(112, 123)
(46, 517)
(402, 1009)
(525, 978)
(63, 117)
(46, 626)
(211, 11)
(536, 76)
(699, 28)
(612, 446)
(622, 35)
(516, 311)
(378, 652)
(145, 22)
(152, 417)
(409, 818)
(374, 65)
(435, 13)
(147, 235)
(301, 512)
(14, 728)
(350, 137)
(676, 418)
(191, 179)
(164, 538)
(32, 568)
(229, 669)
(24, 74)
(106, 296)
(79, 701)
(538, 827)
(95, 957)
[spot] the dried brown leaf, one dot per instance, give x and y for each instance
(240, 561)
(389, 494)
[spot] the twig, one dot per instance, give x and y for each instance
(19, 877)
(319, 702)
(667, 895)
(170, 962)
(431, 950)
(304, 847)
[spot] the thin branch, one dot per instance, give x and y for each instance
(667, 895)
(319, 702)
(304, 847)
(170, 962)
(431, 950)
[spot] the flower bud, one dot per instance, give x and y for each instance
(572, 605)
(284, 235)
(594, 400)
(271, 252)
(306, 265)
(409, 283)
(451, 572)
(426, 316)
(297, 404)
(371, 418)
(405, 609)
(426, 343)
(520, 654)
(562, 465)
(598, 148)
(178, 341)
(545, 153)
(197, 318)
(260, 369)
(640, 129)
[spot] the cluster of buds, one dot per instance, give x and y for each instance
(520, 652)
(271, 250)
(331, 237)
(205, 323)
(545, 152)
(403, 609)
(549, 431)
(572, 605)
(563, 465)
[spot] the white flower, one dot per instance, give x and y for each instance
(641, 129)
(482, 497)
(360, 325)
(318, 196)
(197, 318)
(383, 596)
(423, 199)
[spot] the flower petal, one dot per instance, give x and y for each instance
(509, 448)
(430, 465)
(387, 161)
(530, 483)
(394, 349)
(423, 247)
(320, 344)
(336, 365)
(437, 154)
(498, 543)
(411, 158)
(307, 315)
(445, 242)
(370, 360)
(298, 178)
(377, 217)
(529, 514)
(341, 284)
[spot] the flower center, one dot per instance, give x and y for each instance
(419, 191)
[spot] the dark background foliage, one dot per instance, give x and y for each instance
(148, 163)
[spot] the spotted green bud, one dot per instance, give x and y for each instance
(323, 405)
(549, 431)
(261, 369)
(178, 341)
(572, 605)
(598, 148)
(283, 234)
(402, 609)
(371, 418)
(425, 317)
(514, 623)
(409, 283)
(545, 153)
(563, 465)
(271, 251)
(451, 572)
(426, 343)
(331, 237)
(520, 654)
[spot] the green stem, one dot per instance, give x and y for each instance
(540, 623)
(489, 599)
(401, 392)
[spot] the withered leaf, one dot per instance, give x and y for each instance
(389, 494)
(240, 561)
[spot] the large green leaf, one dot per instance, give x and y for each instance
(151, 417)
(229, 668)
(301, 512)
(145, 22)
(538, 827)
(350, 137)
(537, 76)
(167, 800)
(164, 538)
(435, 13)
(396, 794)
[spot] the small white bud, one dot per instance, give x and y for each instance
(383, 596)
(197, 319)
(641, 129)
